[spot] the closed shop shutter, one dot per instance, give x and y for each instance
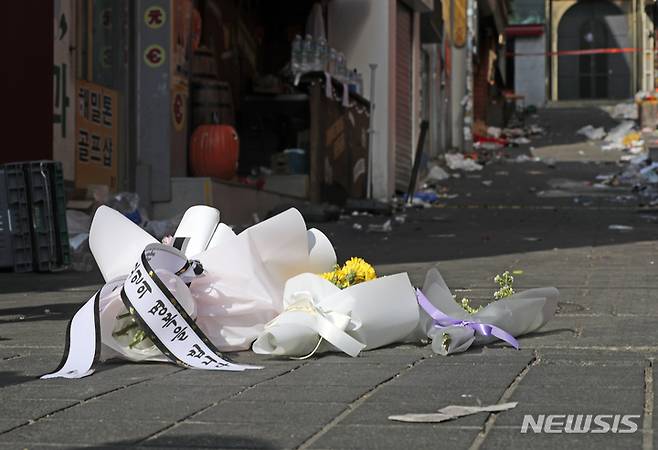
(403, 90)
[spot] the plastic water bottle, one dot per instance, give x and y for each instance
(308, 53)
(320, 60)
(341, 68)
(296, 55)
(331, 63)
(353, 81)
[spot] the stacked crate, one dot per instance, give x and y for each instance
(37, 216)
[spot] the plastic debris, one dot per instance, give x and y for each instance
(385, 227)
(494, 132)
(456, 161)
(620, 228)
(436, 173)
(77, 222)
(77, 240)
(625, 111)
(525, 158)
(522, 140)
(616, 136)
(127, 203)
(357, 226)
(591, 133)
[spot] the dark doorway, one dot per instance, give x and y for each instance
(593, 24)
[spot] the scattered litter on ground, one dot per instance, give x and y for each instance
(357, 226)
(456, 161)
(435, 174)
(487, 183)
(525, 158)
(77, 222)
(522, 140)
(616, 137)
(620, 228)
(385, 227)
(494, 132)
(451, 412)
(401, 218)
(77, 240)
(426, 196)
(591, 133)
(624, 111)
(649, 218)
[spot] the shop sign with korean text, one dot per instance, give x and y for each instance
(96, 133)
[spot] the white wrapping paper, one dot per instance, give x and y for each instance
(198, 225)
(242, 288)
(116, 243)
(521, 313)
(361, 317)
(246, 274)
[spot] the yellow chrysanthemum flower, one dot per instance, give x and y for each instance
(354, 271)
(336, 277)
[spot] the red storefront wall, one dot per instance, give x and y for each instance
(26, 80)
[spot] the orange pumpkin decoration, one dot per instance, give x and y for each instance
(214, 151)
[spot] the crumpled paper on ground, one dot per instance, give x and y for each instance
(451, 412)
(456, 161)
(521, 313)
(594, 134)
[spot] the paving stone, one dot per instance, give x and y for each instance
(258, 412)
(243, 435)
(318, 374)
(584, 377)
(513, 438)
(268, 393)
(7, 423)
(396, 436)
(219, 378)
(16, 407)
(123, 430)
(153, 402)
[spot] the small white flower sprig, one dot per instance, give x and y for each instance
(505, 289)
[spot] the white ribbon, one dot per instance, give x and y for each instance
(167, 324)
(327, 85)
(330, 325)
(346, 96)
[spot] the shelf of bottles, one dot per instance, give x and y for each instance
(314, 55)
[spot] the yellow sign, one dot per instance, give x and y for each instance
(454, 19)
(155, 17)
(96, 132)
(154, 55)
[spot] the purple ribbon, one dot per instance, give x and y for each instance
(442, 320)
